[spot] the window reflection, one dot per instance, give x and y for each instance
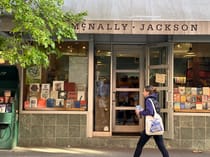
(158, 56)
(126, 62)
(127, 80)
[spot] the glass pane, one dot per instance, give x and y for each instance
(102, 88)
(127, 62)
(64, 70)
(191, 76)
(162, 99)
(158, 56)
(127, 80)
(158, 77)
(126, 117)
(127, 98)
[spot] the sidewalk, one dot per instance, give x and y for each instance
(93, 152)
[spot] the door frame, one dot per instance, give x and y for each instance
(169, 133)
(141, 55)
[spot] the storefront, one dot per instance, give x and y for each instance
(88, 96)
(102, 78)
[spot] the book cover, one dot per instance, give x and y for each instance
(208, 106)
(58, 85)
(176, 105)
(176, 90)
(54, 94)
(59, 102)
(199, 98)
(45, 91)
(69, 86)
(80, 95)
(176, 97)
(42, 103)
(70, 103)
(183, 98)
(204, 98)
(188, 105)
(199, 91)
(205, 105)
(62, 95)
(205, 90)
(72, 95)
(188, 98)
(199, 106)
(194, 91)
(181, 90)
(187, 90)
(182, 105)
(33, 102)
(193, 98)
(34, 87)
(193, 106)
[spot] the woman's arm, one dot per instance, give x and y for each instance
(148, 110)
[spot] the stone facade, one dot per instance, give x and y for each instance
(51, 129)
(66, 130)
(191, 132)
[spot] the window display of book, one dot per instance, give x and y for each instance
(192, 99)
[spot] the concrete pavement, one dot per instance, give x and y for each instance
(93, 152)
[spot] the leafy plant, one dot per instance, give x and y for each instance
(37, 26)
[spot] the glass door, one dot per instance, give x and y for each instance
(159, 64)
(127, 87)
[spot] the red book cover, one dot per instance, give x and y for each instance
(72, 95)
(199, 99)
(69, 86)
(41, 103)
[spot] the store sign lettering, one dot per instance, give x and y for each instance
(108, 27)
(169, 27)
(137, 27)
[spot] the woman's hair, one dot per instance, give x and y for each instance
(150, 89)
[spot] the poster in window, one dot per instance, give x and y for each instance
(33, 102)
(45, 91)
(62, 94)
(58, 85)
(59, 103)
(54, 94)
(70, 103)
(34, 87)
(33, 74)
(80, 95)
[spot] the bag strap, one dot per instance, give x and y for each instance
(154, 109)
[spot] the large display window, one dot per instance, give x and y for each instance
(63, 85)
(191, 77)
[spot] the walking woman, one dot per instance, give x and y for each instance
(150, 92)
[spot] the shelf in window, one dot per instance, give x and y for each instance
(55, 109)
(192, 110)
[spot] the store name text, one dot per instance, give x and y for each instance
(139, 27)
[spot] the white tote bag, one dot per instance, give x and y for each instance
(154, 124)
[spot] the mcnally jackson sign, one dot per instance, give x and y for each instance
(144, 27)
(133, 27)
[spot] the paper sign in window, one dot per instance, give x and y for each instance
(160, 78)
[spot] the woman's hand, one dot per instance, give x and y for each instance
(137, 111)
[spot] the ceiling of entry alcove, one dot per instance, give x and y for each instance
(197, 49)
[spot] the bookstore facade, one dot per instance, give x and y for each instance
(88, 95)
(92, 90)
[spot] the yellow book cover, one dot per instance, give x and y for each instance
(183, 98)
